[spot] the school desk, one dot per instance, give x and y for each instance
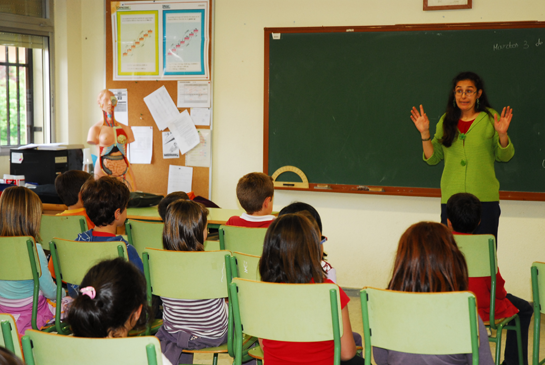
(216, 216)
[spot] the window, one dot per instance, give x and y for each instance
(26, 33)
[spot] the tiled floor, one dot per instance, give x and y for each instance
(357, 326)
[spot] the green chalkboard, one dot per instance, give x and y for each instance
(338, 100)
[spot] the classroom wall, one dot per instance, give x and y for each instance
(363, 230)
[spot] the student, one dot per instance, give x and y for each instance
(463, 217)
(189, 324)
(301, 207)
(291, 254)
(163, 205)
(111, 302)
(428, 261)
(255, 192)
(20, 215)
(68, 186)
(105, 201)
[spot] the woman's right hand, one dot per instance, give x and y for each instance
(420, 120)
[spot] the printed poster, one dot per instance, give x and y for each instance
(137, 43)
(163, 40)
(184, 42)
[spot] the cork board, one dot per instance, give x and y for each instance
(153, 178)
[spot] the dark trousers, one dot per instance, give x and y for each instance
(490, 218)
(511, 349)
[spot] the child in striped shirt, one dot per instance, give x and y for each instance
(189, 324)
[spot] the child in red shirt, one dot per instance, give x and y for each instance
(291, 254)
(255, 192)
(463, 217)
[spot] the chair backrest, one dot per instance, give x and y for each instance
(242, 239)
(275, 311)
(67, 227)
(75, 258)
(203, 273)
(10, 337)
(538, 293)
(72, 260)
(142, 234)
(16, 260)
(420, 323)
(247, 266)
(19, 261)
(45, 348)
(480, 253)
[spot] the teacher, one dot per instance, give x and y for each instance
(470, 136)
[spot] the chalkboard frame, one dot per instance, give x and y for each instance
(381, 190)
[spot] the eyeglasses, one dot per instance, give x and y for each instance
(461, 92)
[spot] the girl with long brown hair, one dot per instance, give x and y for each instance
(21, 215)
(291, 254)
(429, 261)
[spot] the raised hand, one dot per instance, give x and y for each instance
(420, 119)
(502, 125)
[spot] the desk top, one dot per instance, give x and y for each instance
(216, 215)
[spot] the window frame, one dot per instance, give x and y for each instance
(44, 27)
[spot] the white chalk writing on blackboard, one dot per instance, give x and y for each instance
(515, 45)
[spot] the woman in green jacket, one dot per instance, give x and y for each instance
(470, 136)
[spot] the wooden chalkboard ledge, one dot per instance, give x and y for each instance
(406, 191)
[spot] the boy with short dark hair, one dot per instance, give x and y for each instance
(68, 186)
(255, 192)
(463, 217)
(105, 201)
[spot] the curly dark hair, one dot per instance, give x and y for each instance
(102, 197)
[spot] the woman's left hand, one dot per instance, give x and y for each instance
(502, 125)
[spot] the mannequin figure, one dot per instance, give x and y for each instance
(112, 139)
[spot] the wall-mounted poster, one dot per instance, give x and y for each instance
(137, 43)
(161, 40)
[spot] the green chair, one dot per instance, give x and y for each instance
(242, 239)
(51, 349)
(67, 227)
(267, 310)
(245, 266)
(142, 234)
(538, 292)
(420, 323)
(19, 261)
(73, 259)
(10, 337)
(480, 250)
(204, 275)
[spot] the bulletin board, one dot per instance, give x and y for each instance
(153, 177)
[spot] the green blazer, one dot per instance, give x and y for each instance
(469, 161)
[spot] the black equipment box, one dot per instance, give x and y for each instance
(43, 166)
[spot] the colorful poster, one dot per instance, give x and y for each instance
(137, 43)
(184, 42)
(168, 40)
